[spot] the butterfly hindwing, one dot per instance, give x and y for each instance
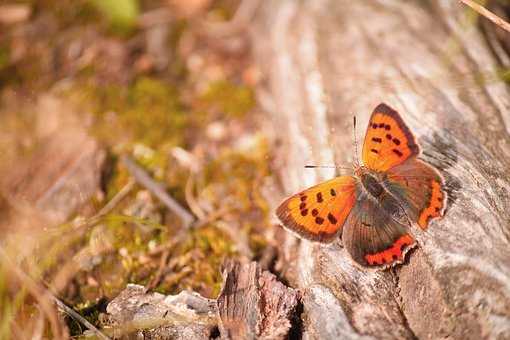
(419, 188)
(373, 237)
(318, 213)
(388, 141)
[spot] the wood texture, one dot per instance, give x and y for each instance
(134, 313)
(325, 61)
(253, 304)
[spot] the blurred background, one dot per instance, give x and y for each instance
(131, 150)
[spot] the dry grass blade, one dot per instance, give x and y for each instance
(72, 313)
(488, 14)
(157, 189)
(39, 293)
(159, 274)
(44, 297)
(190, 199)
(117, 198)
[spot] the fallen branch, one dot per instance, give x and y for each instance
(142, 178)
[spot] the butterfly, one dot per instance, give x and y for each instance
(373, 210)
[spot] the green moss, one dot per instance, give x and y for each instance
(236, 174)
(200, 257)
(155, 113)
(148, 112)
(121, 14)
(4, 57)
(232, 100)
(504, 75)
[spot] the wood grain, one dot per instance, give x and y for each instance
(325, 61)
(253, 304)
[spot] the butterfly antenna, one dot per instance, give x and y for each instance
(356, 159)
(327, 167)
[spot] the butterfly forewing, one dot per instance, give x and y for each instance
(318, 213)
(388, 141)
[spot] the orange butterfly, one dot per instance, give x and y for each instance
(372, 210)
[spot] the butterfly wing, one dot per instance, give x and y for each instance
(373, 237)
(390, 147)
(318, 213)
(419, 188)
(388, 141)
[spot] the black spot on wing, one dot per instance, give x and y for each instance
(332, 219)
(319, 197)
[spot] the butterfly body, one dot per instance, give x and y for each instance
(373, 184)
(373, 210)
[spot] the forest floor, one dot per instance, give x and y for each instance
(93, 93)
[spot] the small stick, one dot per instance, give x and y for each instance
(108, 207)
(159, 274)
(488, 14)
(157, 189)
(126, 189)
(190, 199)
(215, 215)
(72, 313)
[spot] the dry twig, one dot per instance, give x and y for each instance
(190, 199)
(488, 14)
(159, 274)
(72, 313)
(126, 189)
(157, 189)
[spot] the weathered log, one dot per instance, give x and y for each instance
(252, 304)
(327, 60)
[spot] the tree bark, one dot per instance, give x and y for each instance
(253, 304)
(325, 61)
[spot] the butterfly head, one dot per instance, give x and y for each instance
(360, 171)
